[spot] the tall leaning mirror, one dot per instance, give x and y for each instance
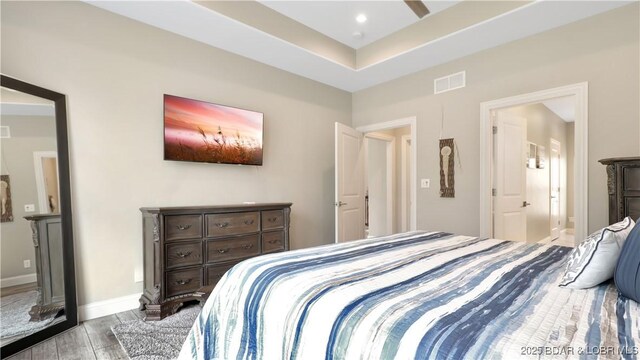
(37, 291)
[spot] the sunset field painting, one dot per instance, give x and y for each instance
(206, 132)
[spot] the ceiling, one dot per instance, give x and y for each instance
(564, 107)
(308, 47)
(336, 19)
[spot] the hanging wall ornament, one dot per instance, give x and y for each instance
(447, 180)
(5, 198)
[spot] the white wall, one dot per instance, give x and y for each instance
(376, 163)
(114, 72)
(602, 50)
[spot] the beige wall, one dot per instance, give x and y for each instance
(602, 50)
(28, 134)
(114, 72)
(542, 126)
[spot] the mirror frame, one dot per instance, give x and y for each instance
(71, 304)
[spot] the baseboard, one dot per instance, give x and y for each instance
(569, 231)
(18, 280)
(107, 307)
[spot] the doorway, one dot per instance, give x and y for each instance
(531, 171)
(370, 190)
(380, 174)
(579, 197)
(46, 170)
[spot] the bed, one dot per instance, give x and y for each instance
(415, 295)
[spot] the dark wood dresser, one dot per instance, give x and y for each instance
(47, 241)
(624, 187)
(187, 249)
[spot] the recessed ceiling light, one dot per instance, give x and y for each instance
(361, 18)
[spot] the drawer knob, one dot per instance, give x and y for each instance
(272, 219)
(183, 255)
(183, 282)
(222, 225)
(222, 251)
(247, 246)
(183, 227)
(274, 241)
(248, 222)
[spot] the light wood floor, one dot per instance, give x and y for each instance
(90, 340)
(10, 290)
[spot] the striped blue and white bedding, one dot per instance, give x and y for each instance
(412, 296)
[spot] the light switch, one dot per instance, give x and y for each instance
(425, 183)
(29, 208)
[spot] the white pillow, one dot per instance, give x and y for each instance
(594, 260)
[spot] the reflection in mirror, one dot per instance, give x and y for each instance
(32, 274)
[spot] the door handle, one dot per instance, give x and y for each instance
(340, 203)
(525, 204)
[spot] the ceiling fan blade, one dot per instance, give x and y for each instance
(418, 7)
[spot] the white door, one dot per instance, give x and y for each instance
(349, 184)
(510, 215)
(554, 185)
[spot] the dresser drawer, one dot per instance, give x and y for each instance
(182, 227)
(631, 177)
(232, 224)
(231, 249)
(273, 219)
(215, 272)
(183, 281)
(272, 241)
(632, 207)
(183, 254)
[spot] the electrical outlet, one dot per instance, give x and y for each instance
(29, 208)
(425, 183)
(27, 264)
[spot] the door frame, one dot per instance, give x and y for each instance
(393, 124)
(562, 185)
(390, 152)
(43, 202)
(405, 173)
(581, 165)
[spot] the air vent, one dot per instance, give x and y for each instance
(450, 82)
(5, 132)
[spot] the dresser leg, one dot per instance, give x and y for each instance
(153, 312)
